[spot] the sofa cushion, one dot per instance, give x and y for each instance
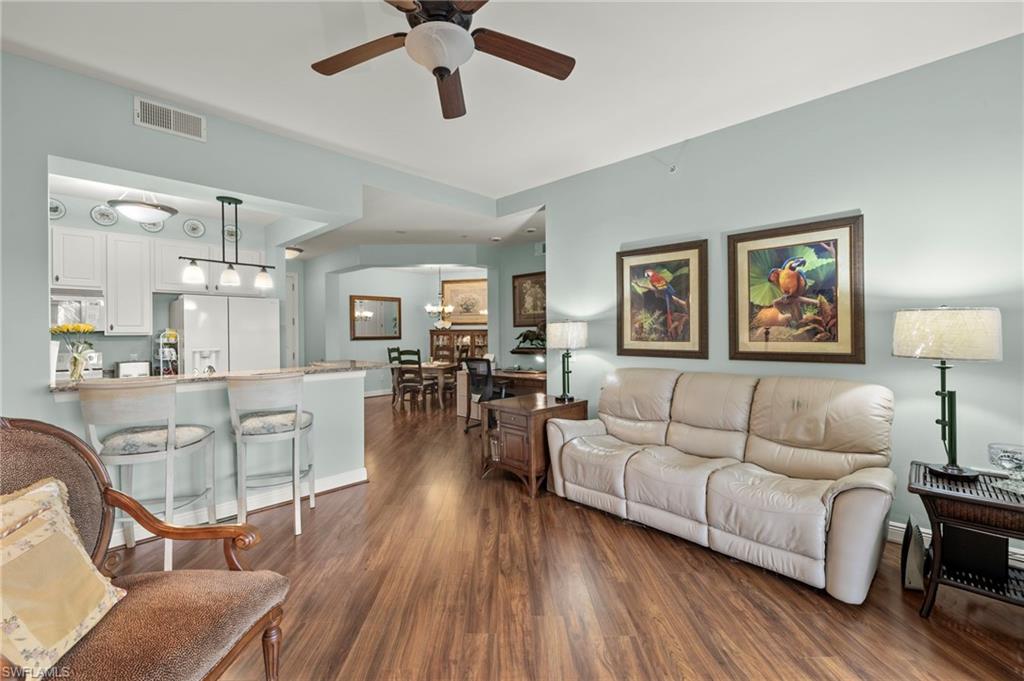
(772, 509)
(819, 428)
(634, 404)
(598, 462)
(710, 414)
(670, 480)
(174, 626)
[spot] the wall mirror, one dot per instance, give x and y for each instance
(375, 317)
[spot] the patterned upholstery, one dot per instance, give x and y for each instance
(146, 439)
(269, 422)
(174, 626)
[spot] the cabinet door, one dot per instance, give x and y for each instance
(129, 282)
(247, 274)
(515, 447)
(77, 258)
(167, 265)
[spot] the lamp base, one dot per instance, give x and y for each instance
(952, 472)
(565, 398)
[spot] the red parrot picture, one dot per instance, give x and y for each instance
(660, 310)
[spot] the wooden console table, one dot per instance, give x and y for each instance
(971, 505)
(517, 442)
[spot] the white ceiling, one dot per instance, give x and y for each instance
(648, 74)
(393, 218)
(187, 206)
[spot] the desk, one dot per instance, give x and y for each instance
(520, 383)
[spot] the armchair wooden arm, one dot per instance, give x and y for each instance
(235, 536)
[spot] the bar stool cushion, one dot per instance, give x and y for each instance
(174, 625)
(269, 422)
(146, 439)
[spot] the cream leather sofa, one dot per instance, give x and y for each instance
(787, 473)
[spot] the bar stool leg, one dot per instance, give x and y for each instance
(211, 482)
(129, 524)
(312, 468)
(296, 490)
(169, 510)
(240, 463)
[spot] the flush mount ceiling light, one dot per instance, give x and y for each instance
(145, 209)
(193, 273)
(292, 252)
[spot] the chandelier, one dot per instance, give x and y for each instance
(193, 273)
(439, 310)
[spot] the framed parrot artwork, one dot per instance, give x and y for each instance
(796, 293)
(663, 300)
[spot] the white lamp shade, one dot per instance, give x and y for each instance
(193, 274)
(229, 277)
(960, 333)
(263, 280)
(567, 335)
(439, 44)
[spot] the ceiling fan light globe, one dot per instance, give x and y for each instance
(439, 45)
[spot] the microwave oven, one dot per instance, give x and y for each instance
(79, 309)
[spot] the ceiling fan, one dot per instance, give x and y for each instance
(440, 40)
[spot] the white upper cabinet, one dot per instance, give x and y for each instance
(77, 258)
(167, 265)
(129, 285)
(247, 274)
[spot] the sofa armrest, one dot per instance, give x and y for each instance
(858, 507)
(559, 432)
(235, 536)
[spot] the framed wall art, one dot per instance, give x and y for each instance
(663, 300)
(529, 299)
(796, 293)
(468, 297)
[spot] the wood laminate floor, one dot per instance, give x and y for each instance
(428, 572)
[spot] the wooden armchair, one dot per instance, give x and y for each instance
(187, 625)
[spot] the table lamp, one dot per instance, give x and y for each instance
(948, 333)
(566, 336)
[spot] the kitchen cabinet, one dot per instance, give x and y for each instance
(167, 266)
(129, 285)
(77, 258)
(247, 274)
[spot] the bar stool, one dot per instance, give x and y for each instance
(140, 404)
(268, 408)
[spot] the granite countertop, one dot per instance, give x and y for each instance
(324, 367)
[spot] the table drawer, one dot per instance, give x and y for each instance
(511, 420)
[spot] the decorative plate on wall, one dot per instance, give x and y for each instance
(194, 228)
(103, 215)
(232, 234)
(57, 209)
(152, 226)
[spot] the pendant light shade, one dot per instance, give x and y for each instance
(229, 277)
(193, 274)
(142, 211)
(263, 279)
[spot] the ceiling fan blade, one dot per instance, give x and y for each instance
(449, 87)
(517, 51)
(406, 6)
(468, 6)
(357, 55)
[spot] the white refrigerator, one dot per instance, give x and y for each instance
(218, 333)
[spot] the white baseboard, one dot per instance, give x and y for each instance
(228, 509)
(377, 393)
(896, 536)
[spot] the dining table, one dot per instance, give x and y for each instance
(443, 371)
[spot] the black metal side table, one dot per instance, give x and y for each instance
(970, 505)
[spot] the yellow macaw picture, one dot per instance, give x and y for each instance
(793, 294)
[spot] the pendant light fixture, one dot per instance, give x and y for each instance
(229, 276)
(440, 310)
(146, 209)
(292, 252)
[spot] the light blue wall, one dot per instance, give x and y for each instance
(47, 111)
(931, 157)
(513, 260)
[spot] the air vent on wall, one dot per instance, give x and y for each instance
(156, 116)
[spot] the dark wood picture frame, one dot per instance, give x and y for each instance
(449, 283)
(699, 245)
(520, 318)
(855, 225)
(352, 317)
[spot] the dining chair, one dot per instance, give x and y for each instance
(268, 408)
(411, 380)
(392, 362)
(142, 413)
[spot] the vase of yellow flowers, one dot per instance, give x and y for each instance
(75, 336)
